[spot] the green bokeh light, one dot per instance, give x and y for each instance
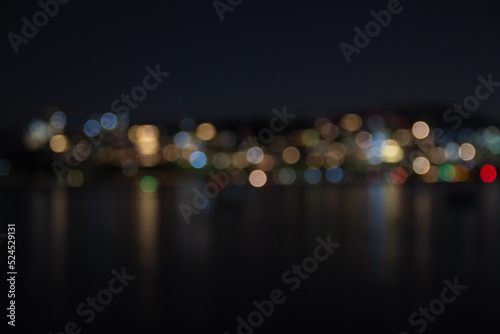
(447, 173)
(494, 145)
(149, 184)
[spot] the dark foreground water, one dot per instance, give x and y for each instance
(397, 247)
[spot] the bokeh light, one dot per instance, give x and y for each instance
(322, 147)
(310, 137)
(171, 152)
(198, 159)
(334, 174)
(149, 184)
(438, 155)
(255, 155)
(291, 155)
(467, 152)
(488, 173)
(403, 137)
(267, 163)
(58, 120)
(312, 175)
(92, 128)
(75, 178)
(447, 173)
(421, 165)
(420, 130)
(37, 134)
(287, 176)
(364, 139)
(59, 143)
(432, 175)
(398, 176)
(329, 131)
(314, 160)
(351, 122)
(391, 151)
(452, 151)
(494, 145)
(205, 131)
(220, 160)
(109, 121)
(257, 178)
(182, 139)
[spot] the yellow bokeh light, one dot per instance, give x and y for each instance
(462, 173)
(132, 133)
(145, 138)
(291, 155)
(467, 152)
(147, 133)
(59, 143)
(257, 178)
(205, 131)
(420, 130)
(351, 122)
(421, 165)
(171, 152)
(392, 151)
(310, 137)
(329, 131)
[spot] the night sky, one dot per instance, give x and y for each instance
(264, 54)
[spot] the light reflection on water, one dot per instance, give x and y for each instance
(402, 241)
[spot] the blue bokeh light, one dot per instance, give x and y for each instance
(198, 159)
(109, 121)
(312, 175)
(182, 139)
(334, 174)
(58, 120)
(92, 128)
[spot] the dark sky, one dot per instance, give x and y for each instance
(265, 54)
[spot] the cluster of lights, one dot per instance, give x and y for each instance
(350, 149)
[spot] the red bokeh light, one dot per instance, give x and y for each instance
(398, 176)
(488, 173)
